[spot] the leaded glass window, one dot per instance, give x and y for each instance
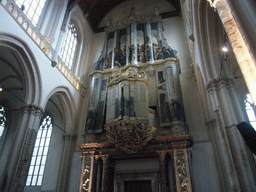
(38, 161)
(31, 8)
(68, 50)
(250, 109)
(2, 122)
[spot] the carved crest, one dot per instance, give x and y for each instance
(129, 136)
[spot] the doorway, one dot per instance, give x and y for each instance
(138, 186)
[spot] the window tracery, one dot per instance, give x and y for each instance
(32, 9)
(70, 44)
(250, 110)
(40, 152)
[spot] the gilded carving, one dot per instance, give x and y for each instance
(129, 73)
(182, 171)
(130, 136)
(86, 174)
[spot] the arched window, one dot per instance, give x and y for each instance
(69, 48)
(31, 8)
(37, 164)
(2, 123)
(250, 109)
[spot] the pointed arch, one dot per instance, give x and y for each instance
(26, 64)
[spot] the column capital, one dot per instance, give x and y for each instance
(220, 82)
(32, 109)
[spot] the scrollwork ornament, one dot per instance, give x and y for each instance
(129, 136)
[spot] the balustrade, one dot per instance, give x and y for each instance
(41, 41)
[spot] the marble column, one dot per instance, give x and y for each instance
(241, 48)
(163, 171)
(23, 147)
(182, 171)
(105, 173)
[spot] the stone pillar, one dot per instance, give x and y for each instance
(182, 172)
(224, 89)
(134, 52)
(105, 173)
(163, 171)
(241, 49)
(23, 147)
(174, 96)
(69, 141)
(223, 148)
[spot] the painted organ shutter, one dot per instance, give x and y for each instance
(101, 107)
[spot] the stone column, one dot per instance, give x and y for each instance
(163, 175)
(241, 49)
(224, 89)
(223, 148)
(69, 141)
(182, 172)
(105, 173)
(23, 147)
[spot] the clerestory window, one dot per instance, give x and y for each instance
(250, 110)
(40, 152)
(32, 9)
(69, 48)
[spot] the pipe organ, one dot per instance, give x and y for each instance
(136, 111)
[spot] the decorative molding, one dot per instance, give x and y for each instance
(130, 73)
(129, 136)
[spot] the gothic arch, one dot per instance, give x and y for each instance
(64, 103)
(25, 63)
